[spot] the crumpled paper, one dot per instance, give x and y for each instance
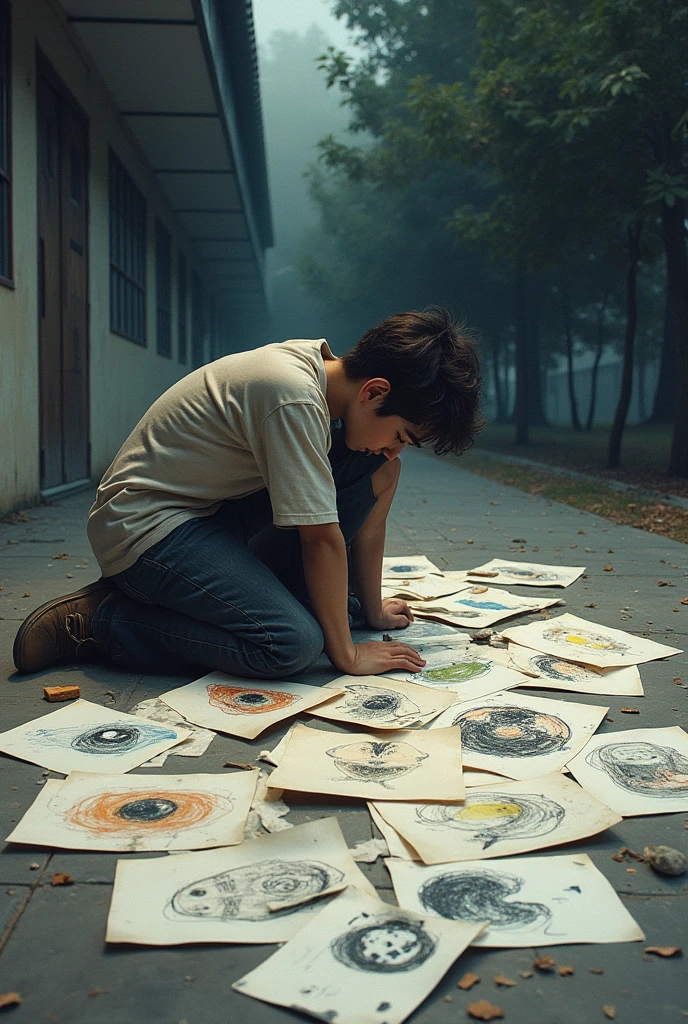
(195, 745)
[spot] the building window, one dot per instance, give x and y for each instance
(163, 289)
(5, 148)
(197, 321)
(127, 255)
(182, 303)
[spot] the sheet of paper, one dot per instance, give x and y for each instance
(241, 707)
(257, 892)
(86, 737)
(556, 674)
(274, 756)
(529, 901)
(405, 765)
(479, 606)
(418, 634)
(141, 812)
(521, 736)
(382, 703)
(579, 640)
(157, 711)
(359, 961)
(426, 589)
(396, 844)
(470, 671)
(500, 820)
(408, 567)
(637, 771)
(528, 574)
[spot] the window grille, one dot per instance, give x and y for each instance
(127, 255)
(182, 303)
(163, 289)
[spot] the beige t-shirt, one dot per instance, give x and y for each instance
(247, 421)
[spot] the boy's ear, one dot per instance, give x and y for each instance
(375, 390)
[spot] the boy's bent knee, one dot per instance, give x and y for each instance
(297, 648)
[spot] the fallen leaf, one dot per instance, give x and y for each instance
(244, 765)
(62, 554)
(61, 878)
(684, 600)
(527, 974)
(609, 568)
(478, 590)
(591, 605)
(518, 540)
(470, 542)
(582, 532)
(565, 971)
(468, 981)
(629, 711)
(483, 1010)
(609, 1012)
(27, 594)
(9, 999)
(632, 871)
(500, 979)
(69, 575)
(665, 583)
(545, 963)
(664, 950)
(93, 992)
(34, 867)
(596, 970)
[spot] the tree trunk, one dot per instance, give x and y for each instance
(521, 407)
(673, 226)
(596, 365)
(664, 406)
(496, 378)
(568, 331)
(616, 434)
(536, 409)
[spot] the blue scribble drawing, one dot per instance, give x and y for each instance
(493, 606)
(108, 738)
(402, 568)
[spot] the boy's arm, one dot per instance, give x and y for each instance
(325, 569)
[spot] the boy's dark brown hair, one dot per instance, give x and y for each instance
(432, 366)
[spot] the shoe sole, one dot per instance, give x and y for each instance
(17, 650)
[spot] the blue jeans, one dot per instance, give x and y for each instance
(227, 591)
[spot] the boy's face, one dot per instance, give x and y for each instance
(377, 435)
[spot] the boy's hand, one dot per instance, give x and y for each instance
(370, 659)
(395, 614)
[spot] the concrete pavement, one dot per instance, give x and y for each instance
(53, 949)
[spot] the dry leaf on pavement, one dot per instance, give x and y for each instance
(504, 982)
(609, 1012)
(468, 981)
(9, 999)
(545, 963)
(664, 950)
(483, 1010)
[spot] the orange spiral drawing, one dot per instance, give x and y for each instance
(152, 810)
(244, 700)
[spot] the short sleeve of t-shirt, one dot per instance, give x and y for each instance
(291, 453)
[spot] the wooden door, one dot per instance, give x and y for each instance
(62, 287)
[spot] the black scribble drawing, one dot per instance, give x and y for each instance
(586, 638)
(387, 946)
(481, 896)
(140, 813)
(527, 574)
(495, 816)
(111, 738)
(376, 762)
(512, 731)
(645, 769)
(243, 894)
(563, 671)
(378, 704)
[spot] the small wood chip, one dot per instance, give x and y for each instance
(62, 554)
(34, 867)
(527, 974)
(468, 981)
(244, 765)
(665, 583)
(629, 711)
(27, 594)
(484, 573)
(565, 971)
(58, 693)
(483, 1010)
(609, 568)
(609, 1012)
(664, 950)
(478, 590)
(61, 878)
(504, 982)
(684, 600)
(545, 963)
(9, 999)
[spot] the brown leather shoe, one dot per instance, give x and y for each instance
(59, 629)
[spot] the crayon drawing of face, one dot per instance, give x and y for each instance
(376, 762)
(645, 769)
(244, 700)
(378, 704)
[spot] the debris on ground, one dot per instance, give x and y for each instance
(609, 1012)
(502, 981)
(595, 970)
(468, 981)
(368, 852)
(58, 693)
(565, 971)
(666, 860)
(9, 999)
(626, 852)
(629, 711)
(244, 765)
(664, 950)
(61, 878)
(527, 974)
(545, 963)
(484, 1010)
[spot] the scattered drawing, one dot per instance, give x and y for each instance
(557, 668)
(383, 703)
(553, 673)
(139, 812)
(104, 739)
(645, 769)
(372, 704)
(524, 573)
(376, 762)
(386, 946)
(531, 574)
(481, 896)
(456, 671)
(239, 700)
(481, 605)
(494, 816)
(585, 638)
(253, 892)
(511, 731)
(409, 566)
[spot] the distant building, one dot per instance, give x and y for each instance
(134, 218)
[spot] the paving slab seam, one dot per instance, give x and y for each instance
(26, 899)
